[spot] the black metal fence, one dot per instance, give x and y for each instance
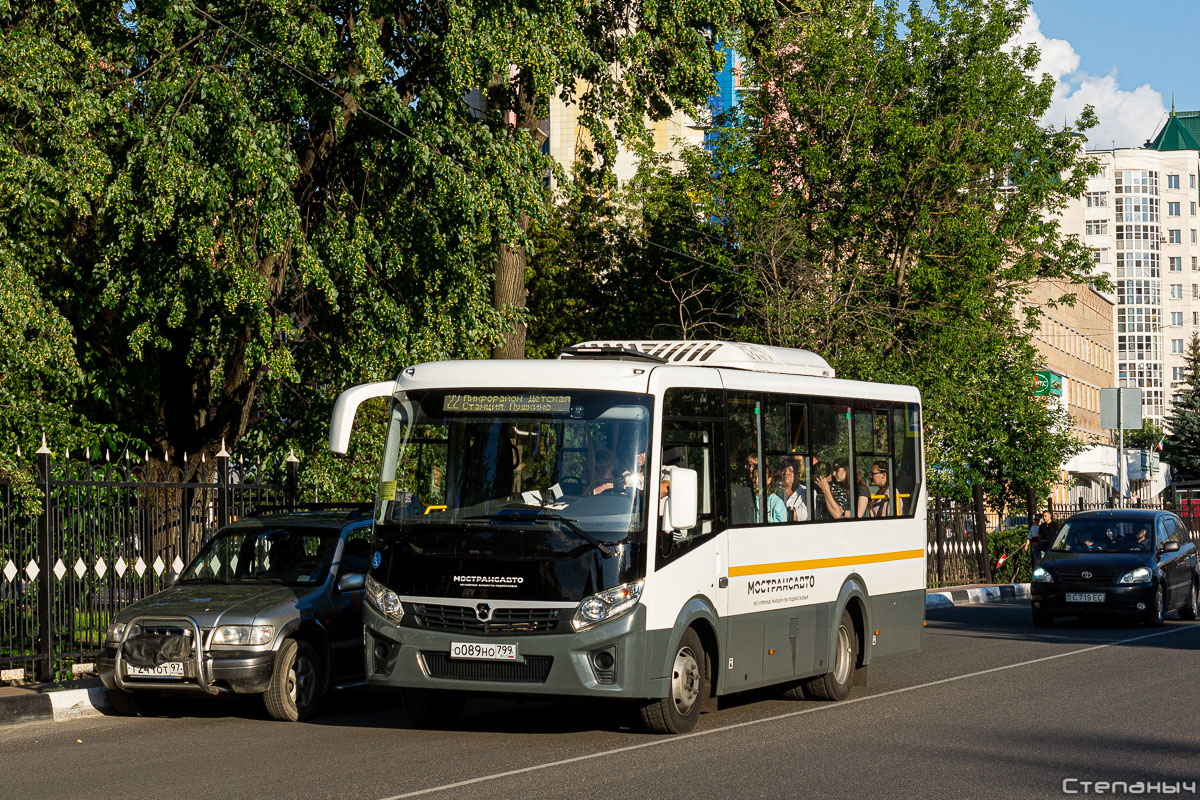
(107, 534)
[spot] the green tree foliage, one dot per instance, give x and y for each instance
(233, 211)
(1145, 438)
(1181, 449)
(884, 200)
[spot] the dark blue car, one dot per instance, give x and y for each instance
(1134, 563)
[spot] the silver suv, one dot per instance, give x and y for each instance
(271, 605)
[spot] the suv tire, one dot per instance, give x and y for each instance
(130, 704)
(297, 682)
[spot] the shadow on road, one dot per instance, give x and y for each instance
(1013, 621)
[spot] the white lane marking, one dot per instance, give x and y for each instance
(788, 715)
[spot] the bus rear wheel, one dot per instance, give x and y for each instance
(835, 684)
(679, 711)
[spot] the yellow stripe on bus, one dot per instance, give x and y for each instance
(821, 563)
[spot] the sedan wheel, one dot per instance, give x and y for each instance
(1157, 612)
(1189, 610)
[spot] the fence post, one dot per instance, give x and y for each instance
(292, 463)
(985, 565)
(45, 667)
(222, 487)
(939, 525)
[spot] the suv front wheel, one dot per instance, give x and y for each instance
(297, 682)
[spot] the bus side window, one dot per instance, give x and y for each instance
(785, 451)
(746, 481)
(906, 438)
(873, 461)
(829, 428)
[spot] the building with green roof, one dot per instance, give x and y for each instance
(1181, 132)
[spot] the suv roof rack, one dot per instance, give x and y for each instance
(731, 355)
(616, 352)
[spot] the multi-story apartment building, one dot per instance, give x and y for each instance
(1075, 346)
(1139, 217)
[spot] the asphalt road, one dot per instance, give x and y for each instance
(991, 708)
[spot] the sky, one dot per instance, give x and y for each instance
(1126, 59)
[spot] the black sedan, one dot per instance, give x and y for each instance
(1128, 562)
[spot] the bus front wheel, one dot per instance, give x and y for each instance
(679, 711)
(835, 684)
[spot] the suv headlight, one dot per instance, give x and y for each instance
(606, 605)
(117, 630)
(1139, 575)
(1042, 576)
(384, 599)
(243, 634)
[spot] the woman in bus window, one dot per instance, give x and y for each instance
(873, 499)
(835, 492)
(793, 491)
(776, 509)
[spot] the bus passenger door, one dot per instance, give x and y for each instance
(694, 563)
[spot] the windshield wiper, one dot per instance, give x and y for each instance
(569, 524)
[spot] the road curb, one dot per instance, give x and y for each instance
(982, 594)
(23, 707)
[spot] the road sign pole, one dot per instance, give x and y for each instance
(1120, 451)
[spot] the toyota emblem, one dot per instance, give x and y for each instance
(1085, 574)
(483, 611)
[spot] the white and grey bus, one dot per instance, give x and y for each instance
(665, 522)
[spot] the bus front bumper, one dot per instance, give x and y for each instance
(609, 660)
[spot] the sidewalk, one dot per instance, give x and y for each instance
(40, 702)
(976, 593)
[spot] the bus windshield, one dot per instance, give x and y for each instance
(514, 473)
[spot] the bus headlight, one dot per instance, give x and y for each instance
(384, 600)
(607, 605)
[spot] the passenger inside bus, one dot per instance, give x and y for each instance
(835, 491)
(792, 489)
(873, 495)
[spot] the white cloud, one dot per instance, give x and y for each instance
(1127, 118)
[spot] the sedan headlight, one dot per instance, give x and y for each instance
(243, 634)
(384, 599)
(1042, 576)
(607, 605)
(1139, 575)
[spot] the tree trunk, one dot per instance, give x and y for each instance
(510, 292)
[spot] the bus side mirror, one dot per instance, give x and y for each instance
(348, 403)
(679, 510)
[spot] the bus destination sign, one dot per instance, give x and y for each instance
(507, 403)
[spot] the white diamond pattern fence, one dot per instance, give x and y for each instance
(107, 530)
